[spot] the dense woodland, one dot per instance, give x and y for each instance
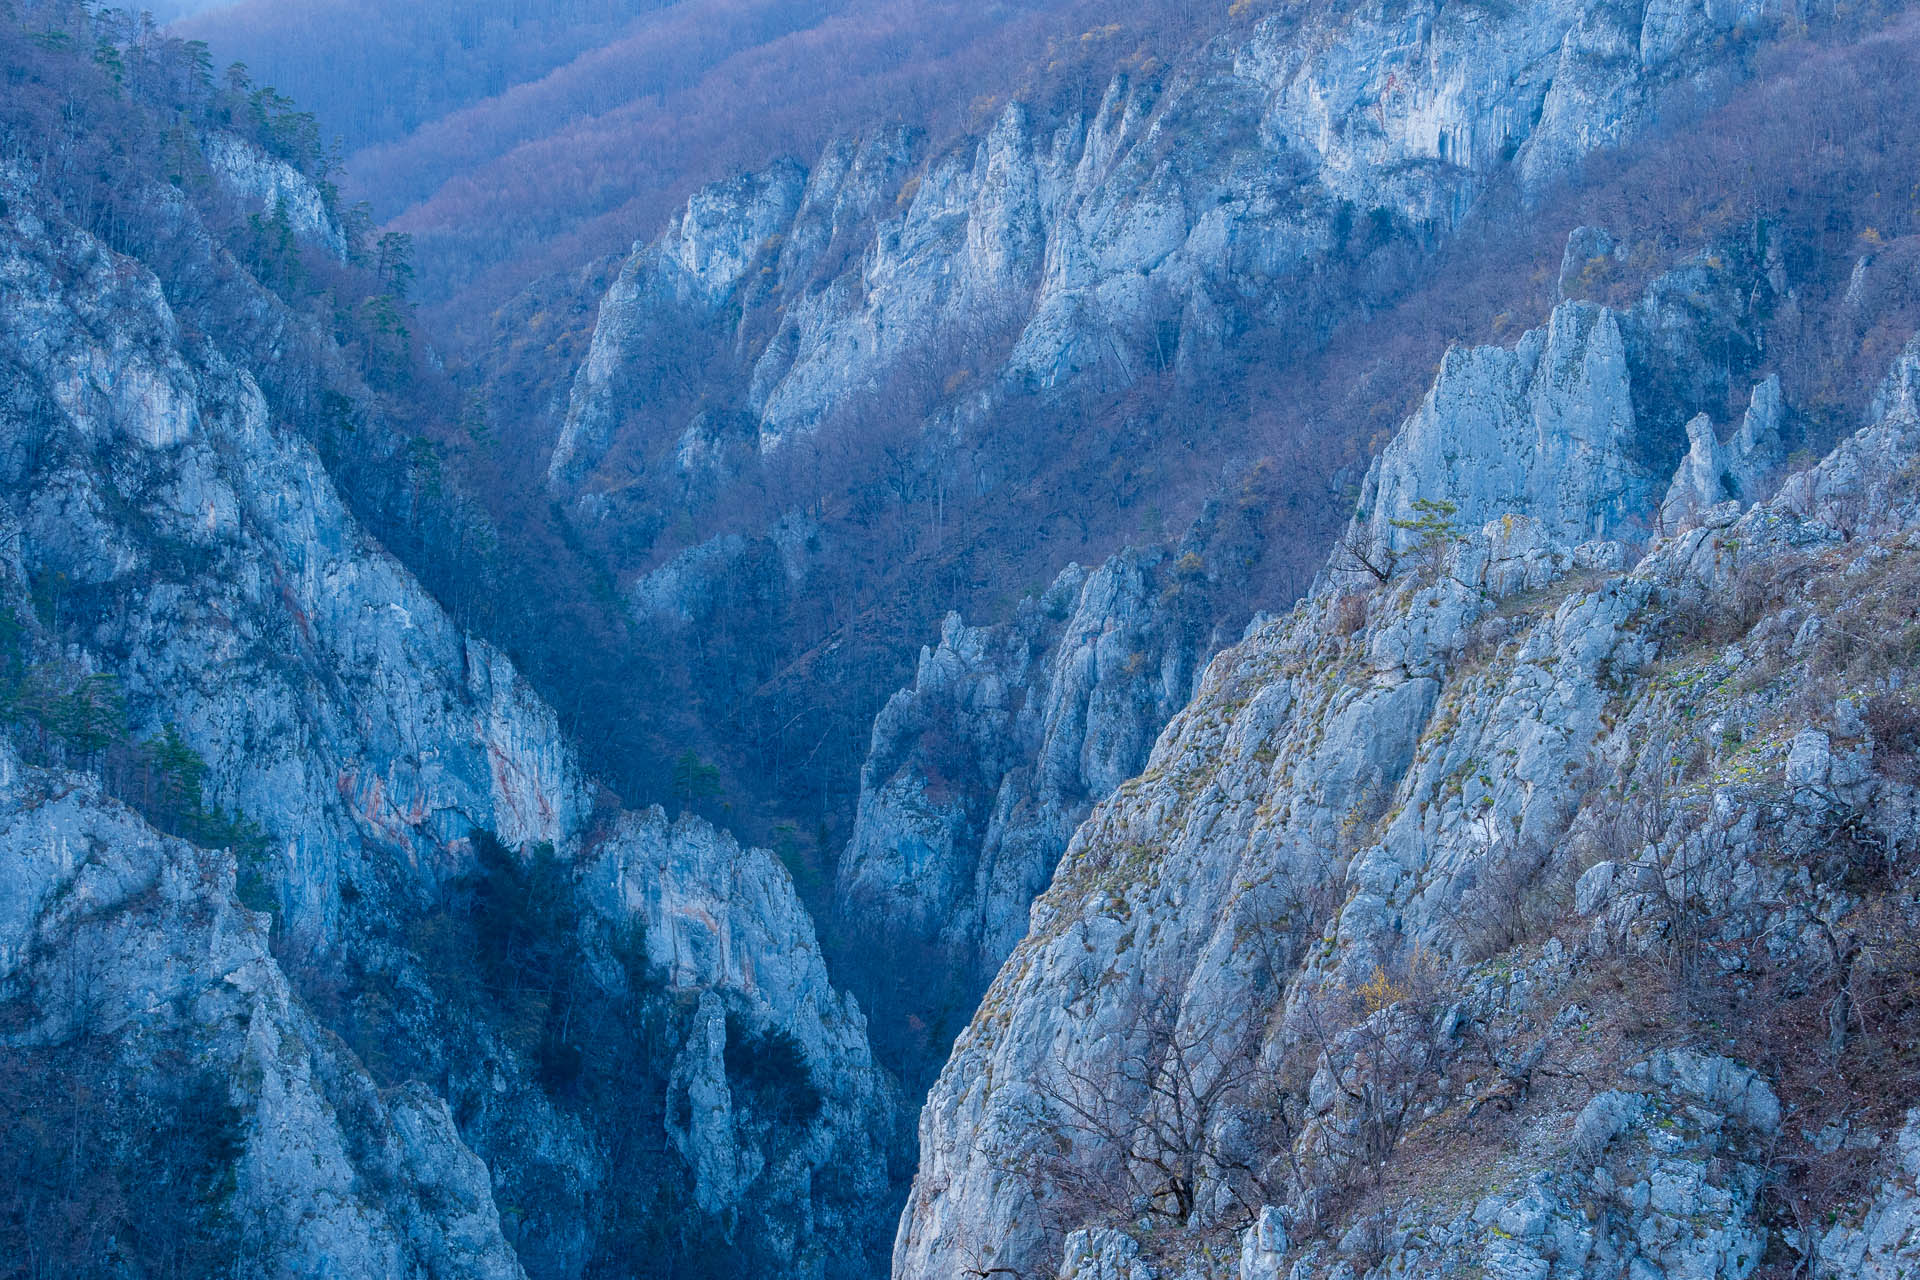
(362, 65)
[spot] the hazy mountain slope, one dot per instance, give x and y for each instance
(375, 72)
(1192, 207)
(513, 141)
(171, 10)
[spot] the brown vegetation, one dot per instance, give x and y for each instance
(543, 139)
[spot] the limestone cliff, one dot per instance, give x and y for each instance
(1142, 234)
(980, 772)
(1535, 896)
(114, 934)
(392, 800)
(272, 189)
(1463, 918)
(213, 567)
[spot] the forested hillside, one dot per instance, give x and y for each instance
(515, 140)
(379, 71)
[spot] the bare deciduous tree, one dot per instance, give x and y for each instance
(1360, 552)
(1146, 1128)
(1382, 1045)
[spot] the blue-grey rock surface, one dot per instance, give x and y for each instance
(1345, 926)
(1521, 902)
(980, 772)
(1140, 234)
(181, 541)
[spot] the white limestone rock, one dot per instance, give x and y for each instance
(1738, 471)
(1408, 776)
(271, 187)
(978, 774)
(1540, 430)
(332, 698)
(1264, 1246)
(727, 932)
(333, 1174)
(338, 706)
(1105, 1255)
(1119, 242)
(1885, 1244)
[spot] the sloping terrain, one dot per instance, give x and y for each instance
(1514, 901)
(302, 869)
(514, 140)
(830, 405)
(1328, 588)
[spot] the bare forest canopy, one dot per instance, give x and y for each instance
(515, 138)
(171, 10)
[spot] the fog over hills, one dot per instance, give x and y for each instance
(170, 10)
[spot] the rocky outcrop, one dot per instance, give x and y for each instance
(167, 533)
(726, 931)
(1539, 429)
(980, 772)
(1572, 425)
(267, 185)
(1141, 235)
(1328, 964)
(216, 571)
(689, 275)
(1714, 473)
(1886, 1240)
(113, 934)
